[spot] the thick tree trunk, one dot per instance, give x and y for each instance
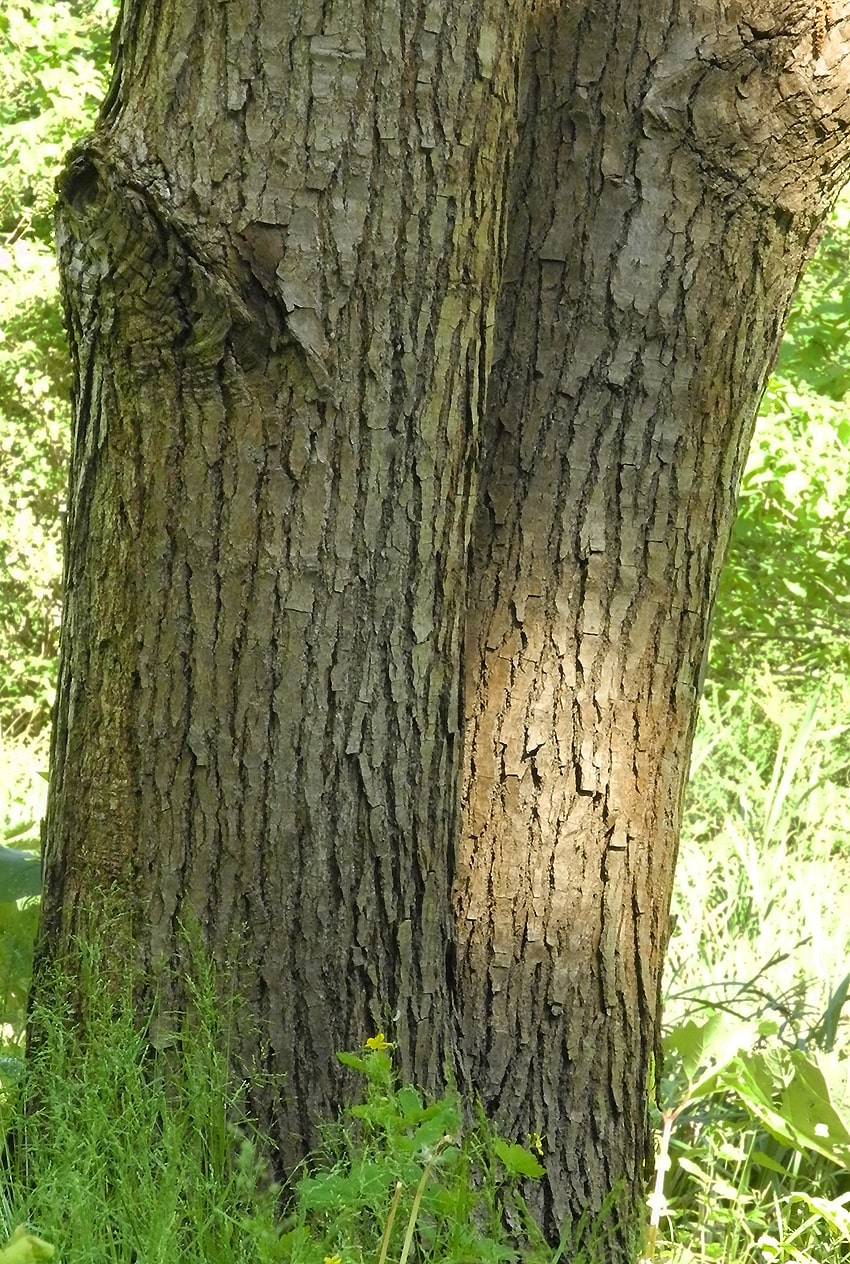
(663, 207)
(282, 253)
(281, 299)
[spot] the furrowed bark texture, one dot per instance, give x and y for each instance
(674, 163)
(280, 254)
(417, 347)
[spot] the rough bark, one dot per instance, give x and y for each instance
(280, 299)
(291, 504)
(674, 164)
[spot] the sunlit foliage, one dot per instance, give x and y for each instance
(53, 63)
(785, 593)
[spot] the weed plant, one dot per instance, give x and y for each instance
(120, 1153)
(756, 1095)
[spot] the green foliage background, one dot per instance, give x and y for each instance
(784, 596)
(53, 66)
(785, 593)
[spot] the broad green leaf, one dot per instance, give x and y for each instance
(817, 1104)
(693, 1169)
(831, 1210)
(18, 831)
(26, 1248)
(758, 1080)
(517, 1160)
(10, 1068)
(705, 1049)
(353, 1061)
(765, 1160)
(409, 1104)
(803, 1101)
(428, 1135)
(20, 876)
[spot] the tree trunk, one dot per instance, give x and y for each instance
(300, 250)
(281, 301)
(663, 206)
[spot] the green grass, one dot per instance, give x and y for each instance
(111, 1162)
(763, 875)
(122, 1153)
(762, 942)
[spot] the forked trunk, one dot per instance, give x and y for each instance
(398, 327)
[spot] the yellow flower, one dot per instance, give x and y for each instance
(378, 1043)
(333, 1259)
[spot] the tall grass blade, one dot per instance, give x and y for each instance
(388, 1227)
(785, 770)
(825, 1032)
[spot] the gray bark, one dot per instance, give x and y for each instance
(280, 299)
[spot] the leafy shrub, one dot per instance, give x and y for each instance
(34, 421)
(53, 59)
(784, 596)
(785, 592)
(815, 352)
(52, 62)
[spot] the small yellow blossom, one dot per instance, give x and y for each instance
(333, 1259)
(535, 1143)
(378, 1043)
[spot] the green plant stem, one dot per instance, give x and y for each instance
(662, 1165)
(417, 1199)
(388, 1228)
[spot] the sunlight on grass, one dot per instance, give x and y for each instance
(123, 1153)
(763, 873)
(756, 1100)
